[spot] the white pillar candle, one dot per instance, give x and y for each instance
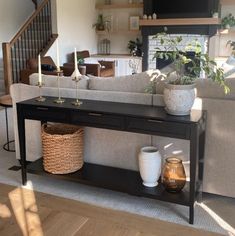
(39, 70)
(77, 73)
(57, 55)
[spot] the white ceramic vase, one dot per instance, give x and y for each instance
(150, 166)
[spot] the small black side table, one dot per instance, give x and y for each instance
(6, 102)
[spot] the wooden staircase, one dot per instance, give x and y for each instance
(35, 37)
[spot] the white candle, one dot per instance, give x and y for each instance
(77, 72)
(57, 55)
(39, 70)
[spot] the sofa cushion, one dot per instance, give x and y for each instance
(131, 83)
(65, 81)
(206, 88)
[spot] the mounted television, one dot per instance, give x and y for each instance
(181, 8)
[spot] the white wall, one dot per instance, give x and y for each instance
(218, 43)
(120, 22)
(74, 25)
(13, 14)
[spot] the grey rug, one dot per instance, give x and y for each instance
(109, 199)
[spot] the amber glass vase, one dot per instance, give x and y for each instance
(173, 175)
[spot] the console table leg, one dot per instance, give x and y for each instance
(194, 150)
(21, 131)
(191, 214)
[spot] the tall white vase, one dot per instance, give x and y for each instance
(150, 166)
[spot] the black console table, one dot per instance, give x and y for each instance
(123, 117)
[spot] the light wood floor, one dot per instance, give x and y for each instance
(25, 212)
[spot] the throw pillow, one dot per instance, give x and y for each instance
(47, 67)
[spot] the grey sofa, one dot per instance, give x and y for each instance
(120, 149)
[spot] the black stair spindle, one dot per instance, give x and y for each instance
(44, 27)
(37, 36)
(48, 19)
(34, 38)
(41, 31)
(29, 55)
(12, 64)
(20, 57)
(16, 52)
(24, 49)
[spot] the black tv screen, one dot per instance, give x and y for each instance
(181, 8)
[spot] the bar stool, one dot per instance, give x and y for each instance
(6, 102)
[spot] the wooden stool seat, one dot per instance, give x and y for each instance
(6, 101)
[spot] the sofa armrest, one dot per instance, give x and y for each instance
(24, 74)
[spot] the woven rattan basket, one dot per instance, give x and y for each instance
(62, 148)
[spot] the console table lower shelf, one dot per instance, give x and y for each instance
(122, 180)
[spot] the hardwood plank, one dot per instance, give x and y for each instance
(63, 223)
(96, 227)
(32, 213)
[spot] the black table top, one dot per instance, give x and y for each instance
(115, 108)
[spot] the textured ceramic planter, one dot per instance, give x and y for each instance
(150, 166)
(179, 99)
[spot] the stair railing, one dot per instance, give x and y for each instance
(32, 39)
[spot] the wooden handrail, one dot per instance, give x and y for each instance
(28, 22)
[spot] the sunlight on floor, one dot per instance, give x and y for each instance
(4, 211)
(25, 211)
(218, 219)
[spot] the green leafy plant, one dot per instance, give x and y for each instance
(135, 47)
(232, 45)
(100, 24)
(80, 60)
(187, 70)
(228, 21)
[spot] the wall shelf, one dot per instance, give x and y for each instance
(133, 32)
(227, 2)
(181, 21)
(119, 6)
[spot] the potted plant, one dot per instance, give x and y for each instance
(135, 47)
(232, 46)
(100, 24)
(228, 21)
(179, 91)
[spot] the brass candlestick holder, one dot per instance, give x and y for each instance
(77, 102)
(59, 100)
(40, 98)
